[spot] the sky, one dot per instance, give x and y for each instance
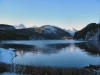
(63, 13)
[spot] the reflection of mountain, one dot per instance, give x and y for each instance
(56, 54)
(91, 47)
(45, 49)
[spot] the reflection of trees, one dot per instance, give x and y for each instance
(45, 49)
(91, 47)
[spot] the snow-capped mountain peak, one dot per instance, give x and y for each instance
(20, 26)
(49, 29)
(71, 31)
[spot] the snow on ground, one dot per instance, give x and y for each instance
(6, 55)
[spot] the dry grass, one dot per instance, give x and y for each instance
(44, 70)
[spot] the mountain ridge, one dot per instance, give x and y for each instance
(38, 33)
(90, 32)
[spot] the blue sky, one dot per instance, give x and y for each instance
(64, 13)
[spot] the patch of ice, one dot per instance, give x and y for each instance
(6, 55)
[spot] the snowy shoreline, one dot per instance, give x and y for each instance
(7, 55)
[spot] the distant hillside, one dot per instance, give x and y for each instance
(6, 27)
(90, 32)
(8, 32)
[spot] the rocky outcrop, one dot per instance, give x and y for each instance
(90, 32)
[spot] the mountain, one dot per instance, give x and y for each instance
(6, 27)
(48, 29)
(52, 32)
(71, 31)
(20, 26)
(37, 33)
(90, 32)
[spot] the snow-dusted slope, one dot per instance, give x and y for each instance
(49, 29)
(20, 26)
(71, 31)
(53, 30)
(44, 32)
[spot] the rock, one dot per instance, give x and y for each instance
(90, 32)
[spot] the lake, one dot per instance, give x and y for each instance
(54, 53)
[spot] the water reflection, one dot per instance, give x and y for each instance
(46, 49)
(91, 47)
(56, 54)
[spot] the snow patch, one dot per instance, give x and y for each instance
(71, 31)
(20, 26)
(49, 29)
(6, 55)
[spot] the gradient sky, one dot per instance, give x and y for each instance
(64, 13)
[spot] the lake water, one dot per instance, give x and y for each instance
(55, 53)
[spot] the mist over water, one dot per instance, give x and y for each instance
(56, 53)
